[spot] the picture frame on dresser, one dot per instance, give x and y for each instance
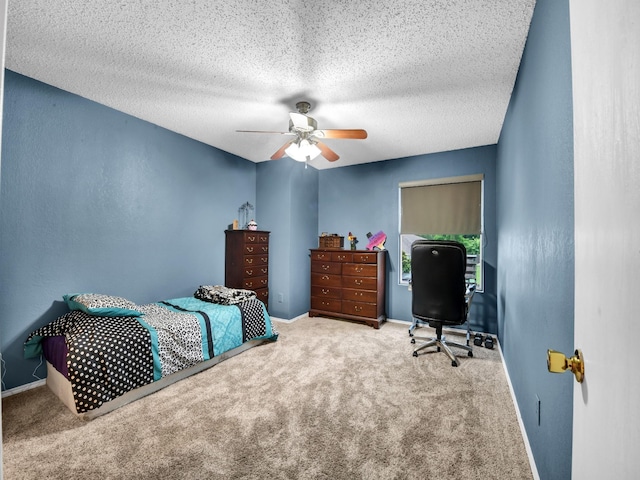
(349, 284)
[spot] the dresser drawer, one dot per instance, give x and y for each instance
(326, 304)
(254, 237)
(263, 295)
(254, 283)
(366, 283)
(361, 270)
(369, 296)
(256, 248)
(326, 292)
(326, 280)
(365, 257)
(342, 256)
(255, 260)
(326, 267)
(256, 271)
(359, 308)
(321, 255)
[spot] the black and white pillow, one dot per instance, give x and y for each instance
(223, 295)
(102, 305)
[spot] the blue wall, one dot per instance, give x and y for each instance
(287, 198)
(365, 198)
(536, 236)
(95, 200)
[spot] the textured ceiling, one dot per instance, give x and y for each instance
(420, 76)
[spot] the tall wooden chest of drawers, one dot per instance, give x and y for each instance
(246, 262)
(349, 284)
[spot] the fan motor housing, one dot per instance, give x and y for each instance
(303, 107)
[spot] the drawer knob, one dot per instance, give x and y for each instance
(358, 282)
(325, 277)
(324, 292)
(250, 249)
(249, 260)
(325, 267)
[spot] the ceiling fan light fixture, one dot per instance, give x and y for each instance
(302, 150)
(307, 144)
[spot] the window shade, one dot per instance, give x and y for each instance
(441, 208)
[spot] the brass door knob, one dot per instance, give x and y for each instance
(557, 362)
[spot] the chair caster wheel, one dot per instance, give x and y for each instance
(454, 364)
(415, 354)
(438, 348)
(410, 334)
(470, 354)
(413, 340)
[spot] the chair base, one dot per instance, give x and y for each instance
(440, 342)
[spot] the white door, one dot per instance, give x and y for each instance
(605, 39)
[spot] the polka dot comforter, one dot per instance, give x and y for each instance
(109, 356)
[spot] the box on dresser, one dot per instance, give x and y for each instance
(247, 261)
(349, 284)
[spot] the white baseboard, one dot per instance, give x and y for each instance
(291, 320)
(525, 438)
(24, 388)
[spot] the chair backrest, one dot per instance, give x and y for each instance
(438, 284)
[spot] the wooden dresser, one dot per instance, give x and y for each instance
(349, 284)
(246, 262)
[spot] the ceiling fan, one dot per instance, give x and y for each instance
(307, 143)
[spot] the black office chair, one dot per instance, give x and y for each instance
(440, 294)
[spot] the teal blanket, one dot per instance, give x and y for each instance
(220, 327)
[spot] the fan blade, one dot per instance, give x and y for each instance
(280, 153)
(327, 152)
(357, 134)
(263, 131)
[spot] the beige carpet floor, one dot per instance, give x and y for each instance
(330, 399)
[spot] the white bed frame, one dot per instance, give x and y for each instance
(61, 387)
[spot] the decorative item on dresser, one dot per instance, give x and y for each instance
(247, 261)
(349, 284)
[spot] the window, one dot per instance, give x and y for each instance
(443, 209)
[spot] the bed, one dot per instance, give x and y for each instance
(107, 351)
